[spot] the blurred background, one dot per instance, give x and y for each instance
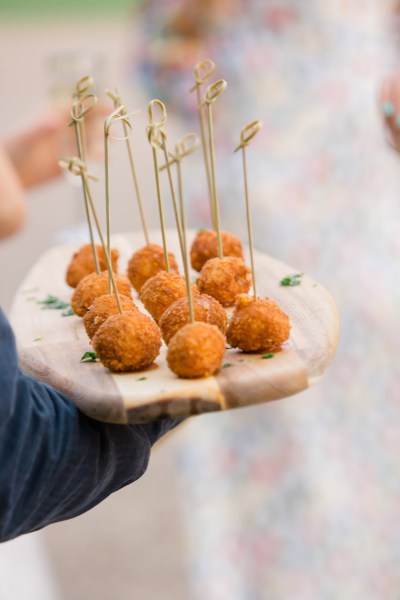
(301, 498)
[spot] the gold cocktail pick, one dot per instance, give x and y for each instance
(185, 146)
(212, 93)
(78, 167)
(119, 114)
(117, 103)
(246, 135)
(202, 71)
(154, 133)
(80, 107)
(182, 241)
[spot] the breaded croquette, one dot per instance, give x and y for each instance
(206, 309)
(257, 325)
(204, 247)
(82, 263)
(128, 341)
(102, 308)
(162, 290)
(196, 350)
(224, 279)
(92, 286)
(147, 262)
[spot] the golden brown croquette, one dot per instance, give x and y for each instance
(147, 262)
(196, 350)
(128, 341)
(82, 263)
(224, 279)
(92, 286)
(258, 325)
(102, 308)
(206, 309)
(204, 247)
(162, 290)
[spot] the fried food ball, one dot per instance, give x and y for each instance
(196, 350)
(129, 341)
(162, 290)
(257, 325)
(82, 263)
(102, 308)
(205, 247)
(206, 309)
(147, 262)
(92, 286)
(224, 279)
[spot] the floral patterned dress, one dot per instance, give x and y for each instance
(300, 499)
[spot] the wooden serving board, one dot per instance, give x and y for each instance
(50, 347)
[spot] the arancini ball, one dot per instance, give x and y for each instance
(258, 325)
(162, 290)
(82, 263)
(147, 262)
(204, 247)
(92, 286)
(206, 310)
(128, 341)
(196, 350)
(102, 308)
(224, 279)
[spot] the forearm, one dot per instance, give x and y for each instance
(57, 463)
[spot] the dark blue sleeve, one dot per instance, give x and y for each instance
(56, 463)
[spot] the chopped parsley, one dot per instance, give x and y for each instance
(269, 355)
(52, 302)
(227, 365)
(37, 339)
(89, 357)
(141, 379)
(67, 313)
(292, 280)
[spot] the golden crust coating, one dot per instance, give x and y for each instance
(129, 341)
(92, 286)
(258, 325)
(224, 279)
(196, 350)
(162, 290)
(206, 310)
(147, 262)
(82, 263)
(204, 247)
(102, 308)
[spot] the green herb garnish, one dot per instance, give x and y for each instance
(67, 313)
(53, 302)
(269, 355)
(141, 379)
(89, 357)
(227, 365)
(292, 280)
(37, 339)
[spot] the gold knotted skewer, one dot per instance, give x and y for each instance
(154, 133)
(184, 147)
(80, 107)
(202, 71)
(117, 103)
(212, 93)
(246, 135)
(78, 167)
(162, 142)
(119, 114)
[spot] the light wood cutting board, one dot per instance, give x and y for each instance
(50, 347)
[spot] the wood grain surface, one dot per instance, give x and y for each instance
(50, 347)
